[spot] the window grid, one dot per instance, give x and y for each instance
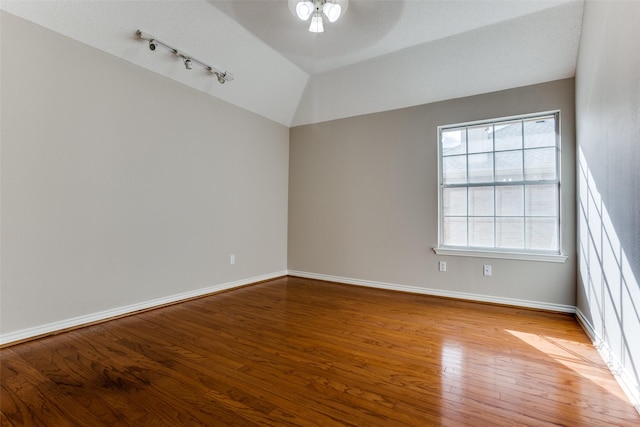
(525, 184)
(495, 223)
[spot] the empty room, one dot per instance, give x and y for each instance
(320, 213)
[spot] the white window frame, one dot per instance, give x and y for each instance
(502, 253)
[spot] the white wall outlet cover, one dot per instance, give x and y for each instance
(486, 269)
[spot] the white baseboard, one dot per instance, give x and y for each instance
(629, 385)
(438, 292)
(119, 311)
(588, 328)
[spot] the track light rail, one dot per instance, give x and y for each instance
(223, 76)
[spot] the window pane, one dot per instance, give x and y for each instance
(455, 231)
(481, 201)
(509, 166)
(541, 200)
(508, 135)
(510, 201)
(454, 141)
(454, 170)
(454, 201)
(510, 233)
(541, 234)
(481, 167)
(480, 138)
(481, 232)
(540, 132)
(540, 164)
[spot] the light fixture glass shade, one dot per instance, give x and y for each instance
(332, 10)
(304, 9)
(316, 24)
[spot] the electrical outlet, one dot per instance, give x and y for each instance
(232, 259)
(443, 265)
(486, 269)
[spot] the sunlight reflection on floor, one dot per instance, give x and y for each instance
(579, 357)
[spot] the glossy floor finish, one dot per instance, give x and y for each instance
(295, 352)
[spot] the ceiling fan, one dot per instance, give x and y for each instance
(318, 10)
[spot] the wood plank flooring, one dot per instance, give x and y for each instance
(299, 352)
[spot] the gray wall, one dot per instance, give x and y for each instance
(363, 199)
(120, 186)
(608, 133)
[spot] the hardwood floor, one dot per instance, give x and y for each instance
(299, 352)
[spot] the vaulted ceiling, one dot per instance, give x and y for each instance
(380, 55)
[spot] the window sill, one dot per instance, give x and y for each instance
(501, 255)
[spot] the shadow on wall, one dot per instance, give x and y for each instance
(611, 289)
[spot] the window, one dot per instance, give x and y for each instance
(500, 186)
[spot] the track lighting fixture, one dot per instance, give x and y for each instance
(222, 76)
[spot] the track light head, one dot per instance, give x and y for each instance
(152, 44)
(223, 77)
(187, 63)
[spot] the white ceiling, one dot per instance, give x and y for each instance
(380, 55)
(370, 28)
